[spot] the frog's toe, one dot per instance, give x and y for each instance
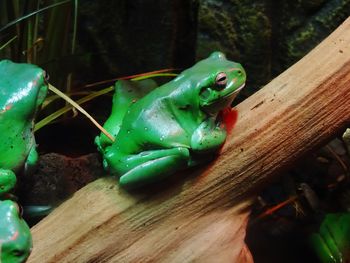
(36, 211)
(99, 144)
(321, 249)
(105, 165)
(7, 181)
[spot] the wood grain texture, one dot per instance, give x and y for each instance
(191, 219)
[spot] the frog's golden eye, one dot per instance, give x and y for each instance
(221, 79)
(46, 77)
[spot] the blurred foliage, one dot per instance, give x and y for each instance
(89, 41)
(40, 32)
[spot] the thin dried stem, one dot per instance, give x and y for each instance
(79, 108)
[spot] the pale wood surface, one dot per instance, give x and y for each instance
(191, 220)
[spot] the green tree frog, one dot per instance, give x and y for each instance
(15, 238)
(22, 90)
(160, 130)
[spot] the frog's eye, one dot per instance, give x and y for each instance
(46, 76)
(18, 253)
(221, 80)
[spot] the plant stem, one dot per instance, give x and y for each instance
(79, 108)
(8, 42)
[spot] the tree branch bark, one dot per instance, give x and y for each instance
(294, 114)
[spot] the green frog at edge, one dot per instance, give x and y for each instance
(160, 130)
(22, 90)
(15, 238)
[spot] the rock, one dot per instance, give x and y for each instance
(301, 25)
(265, 37)
(57, 177)
(241, 30)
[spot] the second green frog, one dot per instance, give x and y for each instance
(160, 130)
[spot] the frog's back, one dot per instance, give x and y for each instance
(19, 90)
(126, 94)
(17, 82)
(164, 118)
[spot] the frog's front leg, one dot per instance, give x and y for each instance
(149, 166)
(208, 137)
(7, 181)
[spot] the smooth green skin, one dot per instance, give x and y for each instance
(15, 237)
(22, 91)
(332, 243)
(159, 131)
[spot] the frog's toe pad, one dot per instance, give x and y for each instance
(7, 181)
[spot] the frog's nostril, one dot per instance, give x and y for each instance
(239, 72)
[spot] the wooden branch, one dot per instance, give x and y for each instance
(296, 112)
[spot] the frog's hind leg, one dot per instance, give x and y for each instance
(7, 181)
(154, 166)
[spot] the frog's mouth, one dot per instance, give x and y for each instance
(214, 106)
(233, 94)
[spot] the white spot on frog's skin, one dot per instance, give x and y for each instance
(128, 131)
(146, 128)
(162, 138)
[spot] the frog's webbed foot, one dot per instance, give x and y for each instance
(151, 166)
(99, 144)
(7, 181)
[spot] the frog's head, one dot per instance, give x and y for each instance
(218, 81)
(15, 237)
(23, 88)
